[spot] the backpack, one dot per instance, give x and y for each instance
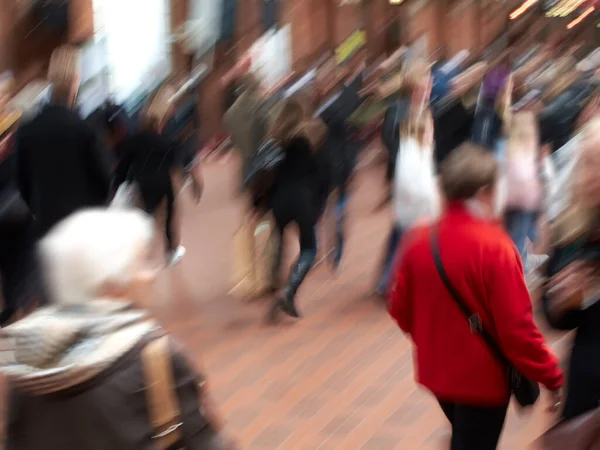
(262, 167)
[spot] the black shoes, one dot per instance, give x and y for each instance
(286, 304)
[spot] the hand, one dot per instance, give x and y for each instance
(556, 400)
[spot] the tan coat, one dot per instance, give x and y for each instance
(246, 121)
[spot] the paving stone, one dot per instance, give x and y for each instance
(341, 377)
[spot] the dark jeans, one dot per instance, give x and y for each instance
(390, 258)
(521, 225)
(474, 427)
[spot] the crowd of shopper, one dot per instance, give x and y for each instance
(491, 170)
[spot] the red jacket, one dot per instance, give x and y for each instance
(484, 266)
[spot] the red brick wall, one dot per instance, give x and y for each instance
(346, 21)
(308, 24)
(313, 32)
(6, 13)
(461, 30)
(27, 53)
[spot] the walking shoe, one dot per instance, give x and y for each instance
(176, 255)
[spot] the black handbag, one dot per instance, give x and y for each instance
(262, 168)
(525, 391)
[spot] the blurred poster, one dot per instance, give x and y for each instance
(206, 14)
(271, 57)
(347, 49)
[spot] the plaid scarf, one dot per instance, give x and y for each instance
(58, 347)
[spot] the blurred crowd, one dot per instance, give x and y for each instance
(491, 177)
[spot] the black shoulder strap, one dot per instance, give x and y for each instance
(474, 319)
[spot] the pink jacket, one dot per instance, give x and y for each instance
(524, 187)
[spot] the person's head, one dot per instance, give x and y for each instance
(416, 79)
(159, 109)
(289, 118)
(100, 254)
(64, 75)
(523, 134)
(295, 120)
(419, 125)
(470, 174)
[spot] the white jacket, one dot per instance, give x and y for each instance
(416, 194)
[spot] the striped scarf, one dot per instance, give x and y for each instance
(58, 347)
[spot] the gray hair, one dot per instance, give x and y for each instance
(91, 249)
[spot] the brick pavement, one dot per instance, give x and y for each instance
(340, 378)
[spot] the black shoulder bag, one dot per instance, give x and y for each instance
(526, 391)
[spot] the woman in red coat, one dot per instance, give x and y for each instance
(485, 267)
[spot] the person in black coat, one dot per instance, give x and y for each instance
(60, 163)
(149, 158)
(21, 283)
(571, 297)
(299, 193)
(569, 267)
(340, 152)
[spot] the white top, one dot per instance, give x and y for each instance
(558, 174)
(416, 194)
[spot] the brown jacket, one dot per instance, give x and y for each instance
(107, 412)
(246, 121)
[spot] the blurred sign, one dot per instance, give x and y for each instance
(350, 46)
(271, 56)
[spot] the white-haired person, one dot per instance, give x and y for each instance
(78, 370)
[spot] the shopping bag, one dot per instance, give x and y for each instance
(254, 252)
(265, 246)
(243, 259)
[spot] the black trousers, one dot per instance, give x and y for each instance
(474, 427)
(152, 197)
(22, 284)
